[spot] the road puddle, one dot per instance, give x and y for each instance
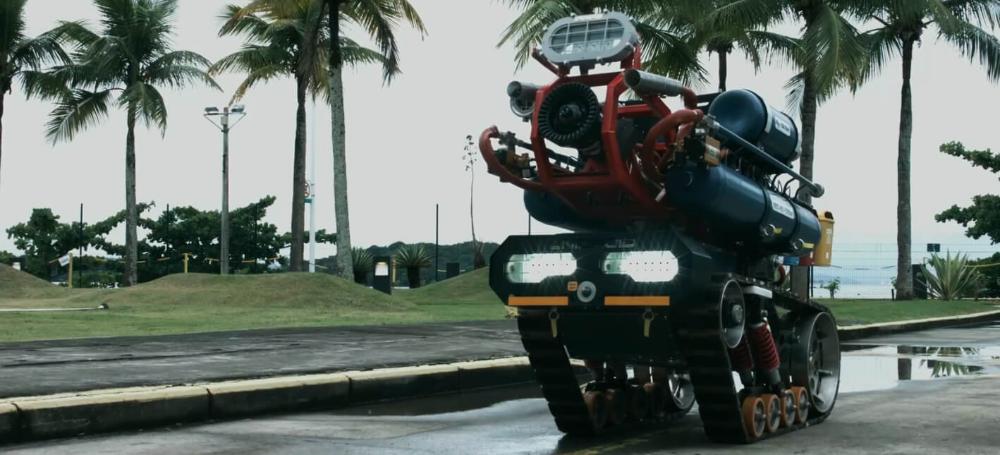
(880, 367)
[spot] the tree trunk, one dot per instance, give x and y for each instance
(3, 94)
(345, 261)
(723, 69)
(904, 282)
(413, 277)
(131, 211)
(299, 177)
(800, 275)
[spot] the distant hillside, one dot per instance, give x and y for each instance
(15, 283)
(468, 287)
(317, 290)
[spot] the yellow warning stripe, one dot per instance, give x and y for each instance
(643, 300)
(538, 301)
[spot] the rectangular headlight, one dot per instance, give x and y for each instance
(535, 267)
(642, 266)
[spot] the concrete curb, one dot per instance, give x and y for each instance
(854, 332)
(33, 418)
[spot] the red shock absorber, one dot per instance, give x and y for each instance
(742, 360)
(765, 352)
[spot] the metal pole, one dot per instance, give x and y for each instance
(312, 190)
(224, 238)
(437, 232)
(80, 249)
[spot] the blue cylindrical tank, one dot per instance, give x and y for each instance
(737, 207)
(746, 114)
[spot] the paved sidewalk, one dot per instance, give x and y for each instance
(46, 367)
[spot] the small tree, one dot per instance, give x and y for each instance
(413, 258)
(833, 287)
(471, 157)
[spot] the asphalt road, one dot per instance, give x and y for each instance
(891, 404)
(46, 367)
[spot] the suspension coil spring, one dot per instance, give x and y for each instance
(741, 357)
(764, 350)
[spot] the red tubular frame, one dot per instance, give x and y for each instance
(613, 190)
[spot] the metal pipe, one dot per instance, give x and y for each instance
(522, 98)
(816, 189)
(649, 83)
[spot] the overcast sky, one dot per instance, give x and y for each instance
(404, 141)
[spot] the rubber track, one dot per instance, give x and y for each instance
(555, 375)
(711, 373)
(707, 358)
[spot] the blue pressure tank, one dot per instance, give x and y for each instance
(746, 114)
(741, 209)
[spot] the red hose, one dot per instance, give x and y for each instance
(667, 126)
(764, 350)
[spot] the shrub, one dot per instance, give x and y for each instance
(952, 278)
(362, 265)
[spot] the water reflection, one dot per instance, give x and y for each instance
(875, 367)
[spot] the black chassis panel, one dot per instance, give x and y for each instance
(593, 331)
(699, 263)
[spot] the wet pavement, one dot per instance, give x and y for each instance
(926, 392)
(45, 367)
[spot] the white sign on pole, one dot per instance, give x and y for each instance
(64, 260)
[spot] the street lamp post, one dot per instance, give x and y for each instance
(225, 126)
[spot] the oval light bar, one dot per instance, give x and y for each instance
(642, 266)
(535, 267)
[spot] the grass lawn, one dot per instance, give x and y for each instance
(202, 303)
(851, 312)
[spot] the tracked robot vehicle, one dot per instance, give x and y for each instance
(669, 288)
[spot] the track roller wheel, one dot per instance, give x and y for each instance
(772, 404)
(754, 416)
(597, 406)
(788, 408)
(801, 396)
(655, 399)
(617, 406)
(639, 404)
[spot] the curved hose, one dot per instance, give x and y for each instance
(667, 126)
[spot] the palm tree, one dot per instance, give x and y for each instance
(286, 39)
(124, 64)
(665, 46)
(23, 58)
(903, 23)
(378, 19)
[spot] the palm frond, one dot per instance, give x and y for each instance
(47, 85)
(147, 102)
(252, 56)
(11, 25)
(36, 53)
(379, 18)
(78, 111)
(976, 44)
(178, 69)
(527, 29)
